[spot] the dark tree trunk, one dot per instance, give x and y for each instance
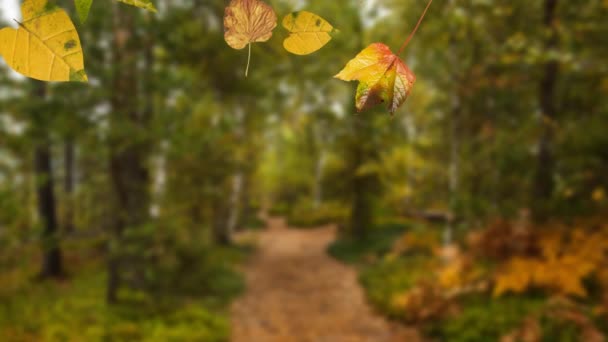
(544, 179)
(221, 233)
(361, 214)
(68, 185)
(361, 218)
(362, 186)
(52, 265)
(128, 155)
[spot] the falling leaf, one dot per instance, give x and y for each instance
(83, 7)
(307, 32)
(382, 76)
(247, 22)
(46, 45)
(145, 4)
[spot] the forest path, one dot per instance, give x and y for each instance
(297, 293)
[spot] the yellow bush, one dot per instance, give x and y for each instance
(566, 259)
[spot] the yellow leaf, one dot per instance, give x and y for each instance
(248, 21)
(145, 4)
(307, 32)
(46, 45)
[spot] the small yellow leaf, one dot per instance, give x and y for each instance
(307, 32)
(46, 45)
(145, 4)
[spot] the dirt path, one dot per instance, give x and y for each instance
(297, 293)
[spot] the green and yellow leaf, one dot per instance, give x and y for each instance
(308, 32)
(145, 4)
(46, 45)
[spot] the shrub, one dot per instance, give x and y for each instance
(387, 281)
(378, 243)
(484, 319)
(304, 215)
(566, 259)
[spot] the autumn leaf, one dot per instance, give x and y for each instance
(308, 32)
(247, 22)
(382, 76)
(46, 45)
(145, 4)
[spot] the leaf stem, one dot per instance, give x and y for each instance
(248, 61)
(407, 41)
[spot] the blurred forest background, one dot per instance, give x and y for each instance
(476, 213)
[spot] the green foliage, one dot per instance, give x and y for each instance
(253, 222)
(556, 330)
(305, 215)
(75, 309)
(386, 280)
(375, 245)
(279, 209)
(485, 319)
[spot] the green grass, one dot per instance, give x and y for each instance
(375, 245)
(305, 215)
(75, 310)
(254, 223)
(278, 209)
(385, 280)
(484, 318)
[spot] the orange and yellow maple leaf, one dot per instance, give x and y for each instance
(383, 78)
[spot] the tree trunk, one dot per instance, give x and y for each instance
(454, 169)
(361, 214)
(318, 183)
(362, 190)
(544, 180)
(52, 264)
(361, 218)
(221, 235)
(128, 156)
(455, 143)
(235, 203)
(68, 185)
